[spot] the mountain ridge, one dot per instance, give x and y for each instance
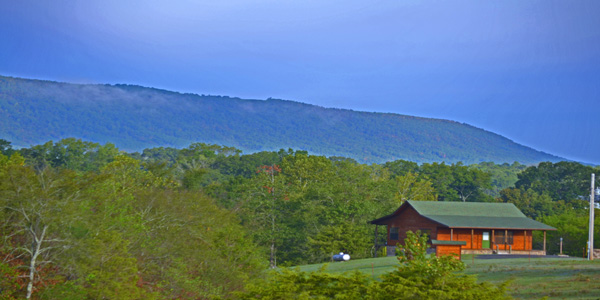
(135, 117)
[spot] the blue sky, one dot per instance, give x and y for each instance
(528, 70)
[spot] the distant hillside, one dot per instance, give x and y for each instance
(134, 117)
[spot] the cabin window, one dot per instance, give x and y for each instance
(501, 239)
(394, 233)
(428, 233)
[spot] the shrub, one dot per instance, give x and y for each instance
(418, 276)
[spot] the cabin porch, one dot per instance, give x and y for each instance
(488, 241)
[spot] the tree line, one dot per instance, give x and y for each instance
(85, 220)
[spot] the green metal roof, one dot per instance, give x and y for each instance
(464, 209)
(490, 222)
(472, 215)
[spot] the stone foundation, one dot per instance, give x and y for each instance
(516, 252)
(477, 251)
(391, 251)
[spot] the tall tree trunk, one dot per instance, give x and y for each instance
(35, 252)
(273, 259)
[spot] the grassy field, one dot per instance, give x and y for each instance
(555, 278)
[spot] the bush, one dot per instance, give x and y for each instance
(418, 276)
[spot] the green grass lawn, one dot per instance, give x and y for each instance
(555, 278)
(373, 266)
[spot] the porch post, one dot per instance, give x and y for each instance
(524, 239)
(544, 242)
(505, 238)
(493, 239)
(472, 246)
(375, 240)
(452, 234)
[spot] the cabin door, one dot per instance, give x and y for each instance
(485, 242)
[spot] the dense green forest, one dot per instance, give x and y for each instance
(134, 118)
(83, 220)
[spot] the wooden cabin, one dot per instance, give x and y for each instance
(483, 227)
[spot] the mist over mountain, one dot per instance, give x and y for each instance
(135, 117)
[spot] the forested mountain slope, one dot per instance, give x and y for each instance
(134, 117)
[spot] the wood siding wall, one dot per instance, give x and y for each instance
(462, 235)
(453, 250)
(409, 219)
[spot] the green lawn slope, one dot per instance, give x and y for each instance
(531, 278)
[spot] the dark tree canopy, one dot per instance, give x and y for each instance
(561, 181)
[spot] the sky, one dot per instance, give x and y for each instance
(528, 70)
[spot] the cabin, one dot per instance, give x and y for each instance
(475, 227)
